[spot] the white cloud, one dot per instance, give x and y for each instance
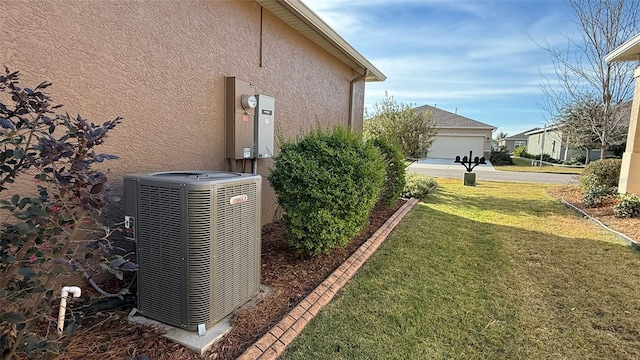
(480, 56)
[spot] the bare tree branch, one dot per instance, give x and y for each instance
(585, 81)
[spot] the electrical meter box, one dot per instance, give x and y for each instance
(240, 103)
(265, 114)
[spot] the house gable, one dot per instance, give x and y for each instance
(446, 119)
(520, 136)
(457, 135)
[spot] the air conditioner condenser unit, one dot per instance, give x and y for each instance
(197, 237)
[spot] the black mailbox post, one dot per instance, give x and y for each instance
(469, 164)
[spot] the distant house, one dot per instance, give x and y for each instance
(548, 140)
(457, 135)
(555, 142)
(512, 142)
(552, 141)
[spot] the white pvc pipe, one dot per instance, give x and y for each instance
(73, 290)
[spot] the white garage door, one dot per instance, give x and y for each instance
(449, 146)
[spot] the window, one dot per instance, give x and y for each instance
(520, 143)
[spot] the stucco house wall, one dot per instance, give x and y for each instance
(161, 66)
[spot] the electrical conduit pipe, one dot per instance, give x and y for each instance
(75, 292)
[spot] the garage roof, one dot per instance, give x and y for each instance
(446, 119)
(304, 20)
(520, 136)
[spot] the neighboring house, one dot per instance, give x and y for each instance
(512, 142)
(457, 135)
(162, 65)
(550, 140)
(553, 141)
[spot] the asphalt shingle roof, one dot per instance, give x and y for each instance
(520, 136)
(446, 119)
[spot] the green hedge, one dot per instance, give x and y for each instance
(418, 186)
(601, 173)
(520, 151)
(628, 207)
(394, 180)
(327, 183)
(500, 158)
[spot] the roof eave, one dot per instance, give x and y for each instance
(300, 17)
(468, 127)
(629, 51)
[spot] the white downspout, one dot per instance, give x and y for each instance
(73, 290)
(352, 86)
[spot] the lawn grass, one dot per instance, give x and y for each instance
(524, 165)
(497, 271)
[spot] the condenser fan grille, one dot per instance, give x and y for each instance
(160, 216)
(236, 246)
(199, 255)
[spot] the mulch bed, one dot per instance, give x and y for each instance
(573, 195)
(292, 277)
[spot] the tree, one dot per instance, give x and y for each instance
(580, 122)
(586, 80)
(401, 124)
(501, 135)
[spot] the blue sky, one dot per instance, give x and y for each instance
(480, 57)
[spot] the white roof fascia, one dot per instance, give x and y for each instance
(468, 127)
(304, 20)
(541, 130)
(629, 51)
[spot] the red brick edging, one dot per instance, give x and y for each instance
(273, 343)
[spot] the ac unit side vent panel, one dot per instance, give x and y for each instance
(236, 246)
(160, 215)
(199, 256)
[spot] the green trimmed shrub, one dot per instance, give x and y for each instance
(597, 194)
(545, 157)
(327, 183)
(394, 180)
(601, 172)
(628, 207)
(418, 186)
(500, 158)
(520, 151)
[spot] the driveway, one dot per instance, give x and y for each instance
(446, 168)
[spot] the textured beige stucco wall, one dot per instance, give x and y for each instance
(160, 64)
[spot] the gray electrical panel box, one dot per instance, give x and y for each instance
(265, 114)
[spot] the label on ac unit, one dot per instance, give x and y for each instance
(246, 152)
(238, 199)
